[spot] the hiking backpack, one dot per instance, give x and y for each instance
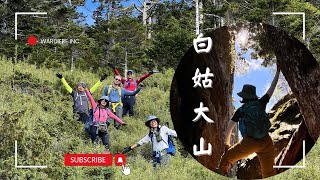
(89, 121)
(111, 87)
(127, 82)
(171, 146)
(255, 122)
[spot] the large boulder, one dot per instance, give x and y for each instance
(287, 132)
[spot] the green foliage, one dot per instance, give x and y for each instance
(238, 11)
(174, 32)
(37, 113)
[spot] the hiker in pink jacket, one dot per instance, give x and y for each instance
(100, 116)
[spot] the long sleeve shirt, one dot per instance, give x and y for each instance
(80, 100)
(131, 84)
(163, 144)
(101, 114)
(114, 93)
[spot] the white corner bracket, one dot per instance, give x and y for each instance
(16, 20)
(16, 159)
(303, 159)
(296, 13)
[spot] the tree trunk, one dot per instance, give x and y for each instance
(293, 153)
(302, 72)
(184, 98)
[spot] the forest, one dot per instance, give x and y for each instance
(36, 110)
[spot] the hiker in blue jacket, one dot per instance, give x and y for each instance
(159, 137)
(116, 94)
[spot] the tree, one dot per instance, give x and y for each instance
(173, 33)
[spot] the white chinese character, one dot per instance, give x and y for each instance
(200, 113)
(207, 83)
(202, 151)
(200, 42)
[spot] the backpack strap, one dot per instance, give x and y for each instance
(80, 97)
(75, 99)
(111, 87)
(119, 92)
(151, 135)
(115, 105)
(109, 90)
(93, 111)
(126, 82)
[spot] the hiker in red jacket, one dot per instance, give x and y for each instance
(130, 84)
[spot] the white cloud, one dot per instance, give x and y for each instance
(255, 64)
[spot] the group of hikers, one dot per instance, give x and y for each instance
(115, 103)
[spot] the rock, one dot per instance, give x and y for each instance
(301, 71)
(287, 132)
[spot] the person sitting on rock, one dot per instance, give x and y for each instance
(130, 84)
(158, 136)
(80, 100)
(100, 116)
(254, 125)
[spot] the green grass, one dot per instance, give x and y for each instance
(38, 114)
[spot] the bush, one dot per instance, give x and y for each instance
(37, 112)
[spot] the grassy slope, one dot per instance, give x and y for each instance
(39, 115)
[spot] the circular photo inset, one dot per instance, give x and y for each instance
(245, 102)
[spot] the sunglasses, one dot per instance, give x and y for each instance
(118, 79)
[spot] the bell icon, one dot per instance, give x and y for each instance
(120, 161)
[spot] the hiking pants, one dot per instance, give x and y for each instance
(163, 160)
(104, 136)
(119, 112)
(128, 104)
(264, 149)
(82, 117)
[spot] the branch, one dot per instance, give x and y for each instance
(140, 2)
(212, 15)
(152, 6)
(82, 33)
(134, 5)
(41, 17)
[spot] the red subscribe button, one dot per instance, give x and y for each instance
(88, 159)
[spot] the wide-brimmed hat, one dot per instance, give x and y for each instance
(248, 92)
(103, 98)
(150, 118)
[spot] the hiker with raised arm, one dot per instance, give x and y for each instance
(160, 138)
(254, 126)
(80, 100)
(101, 113)
(130, 84)
(116, 93)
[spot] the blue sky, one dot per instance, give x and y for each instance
(258, 75)
(87, 10)
(89, 7)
